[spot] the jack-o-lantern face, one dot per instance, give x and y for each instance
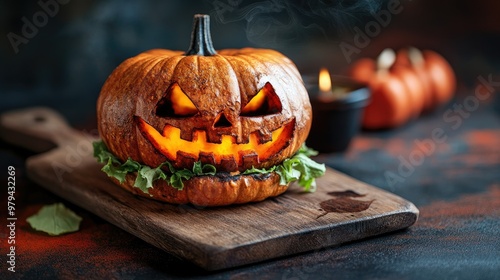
(233, 109)
(228, 139)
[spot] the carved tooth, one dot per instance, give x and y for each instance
(186, 135)
(185, 159)
(207, 158)
(264, 136)
(213, 137)
(228, 163)
(248, 159)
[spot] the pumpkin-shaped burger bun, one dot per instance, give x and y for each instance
(234, 109)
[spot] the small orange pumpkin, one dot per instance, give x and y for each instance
(388, 106)
(428, 81)
(434, 72)
(395, 94)
(412, 58)
(234, 109)
(414, 88)
(441, 75)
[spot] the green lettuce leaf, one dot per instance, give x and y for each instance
(101, 152)
(55, 219)
(299, 168)
(147, 175)
(307, 169)
(177, 178)
(114, 171)
(203, 169)
(254, 170)
(302, 168)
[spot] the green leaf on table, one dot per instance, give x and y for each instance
(55, 219)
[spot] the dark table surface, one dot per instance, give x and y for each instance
(455, 184)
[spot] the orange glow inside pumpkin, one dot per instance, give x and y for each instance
(255, 103)
(265, 102)
(181, 104)
(169, 143)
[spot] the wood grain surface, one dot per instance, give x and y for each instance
(342, 209)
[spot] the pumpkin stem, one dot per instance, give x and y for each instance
(385, 60)
(201, 41)
(416, 57)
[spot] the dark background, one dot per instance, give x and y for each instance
(456, 188)
(68, 59)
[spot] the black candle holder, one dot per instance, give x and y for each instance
(336, 121)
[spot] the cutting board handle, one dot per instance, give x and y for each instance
(38, 129)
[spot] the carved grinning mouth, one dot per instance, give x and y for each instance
(171, 145)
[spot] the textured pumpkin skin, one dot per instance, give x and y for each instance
(220, 83)
(213, 190)
(234, 109)
(216, 84)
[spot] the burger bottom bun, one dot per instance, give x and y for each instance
(216, 190)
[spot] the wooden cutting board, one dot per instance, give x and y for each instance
(341, 210)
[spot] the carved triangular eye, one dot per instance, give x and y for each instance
(265, 102)
(175, 103)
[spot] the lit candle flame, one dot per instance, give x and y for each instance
(325, 82)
